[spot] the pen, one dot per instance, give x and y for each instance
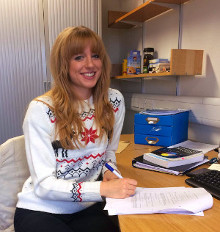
(113, 170)
(218, 150)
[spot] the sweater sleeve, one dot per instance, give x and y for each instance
(39, 131)
(117, 101)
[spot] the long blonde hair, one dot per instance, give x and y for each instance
(72, 41)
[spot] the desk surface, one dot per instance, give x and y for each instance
(161, 222)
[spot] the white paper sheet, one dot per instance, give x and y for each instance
(158, 112)
(214, 167)
(179, 200)
(204, 147)
(121, 146)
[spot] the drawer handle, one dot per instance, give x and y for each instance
(151, 120)
(151, 140)
(156, 128)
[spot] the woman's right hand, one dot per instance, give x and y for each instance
(118, 188)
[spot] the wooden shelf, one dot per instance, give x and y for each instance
(185, 62)
(143, 75)
(144, 12)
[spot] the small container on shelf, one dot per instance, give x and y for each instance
(148, 55)
(134, 62)
(156, 61)
(159, 66)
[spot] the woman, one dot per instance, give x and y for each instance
(70, 133)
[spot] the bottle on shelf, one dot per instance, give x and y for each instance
(124, 67)
(148, 55)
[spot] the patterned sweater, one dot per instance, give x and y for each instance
(66, 181)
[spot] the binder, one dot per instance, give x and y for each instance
(139, 162)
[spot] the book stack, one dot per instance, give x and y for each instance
(159, 65)
(177, 159)
(175, 156)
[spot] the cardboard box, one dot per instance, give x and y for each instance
(134, 62)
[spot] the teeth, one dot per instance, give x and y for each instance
(89, 74)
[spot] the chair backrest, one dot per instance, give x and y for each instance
(13, 172)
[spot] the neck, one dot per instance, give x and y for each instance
(82, 94)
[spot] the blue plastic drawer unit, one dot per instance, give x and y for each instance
(161, 130)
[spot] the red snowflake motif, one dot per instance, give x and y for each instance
(89, 135)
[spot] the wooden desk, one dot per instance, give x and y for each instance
(151, 179)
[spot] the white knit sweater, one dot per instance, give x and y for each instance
(65, 181)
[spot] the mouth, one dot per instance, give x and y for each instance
(89, 75)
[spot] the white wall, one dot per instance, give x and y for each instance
(200, 30)
(119, 42)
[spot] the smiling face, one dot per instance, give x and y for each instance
(80, 65)
(84, 70)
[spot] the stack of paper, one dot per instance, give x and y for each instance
(175, 200)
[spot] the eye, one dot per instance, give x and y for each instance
(96, 56)
(78, 57)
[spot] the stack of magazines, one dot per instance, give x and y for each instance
(177, 159)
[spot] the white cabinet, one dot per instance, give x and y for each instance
(28, 29)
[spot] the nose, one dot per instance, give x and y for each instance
(89, 62)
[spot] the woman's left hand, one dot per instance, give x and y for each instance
(108, 175)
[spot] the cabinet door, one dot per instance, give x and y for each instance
(62, 14)
(22, 72)
(27, 30)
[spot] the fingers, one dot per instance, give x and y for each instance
(129, 186)
(131, 182)
(118, 188)
(108, 175)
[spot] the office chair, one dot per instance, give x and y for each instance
(13, 172)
